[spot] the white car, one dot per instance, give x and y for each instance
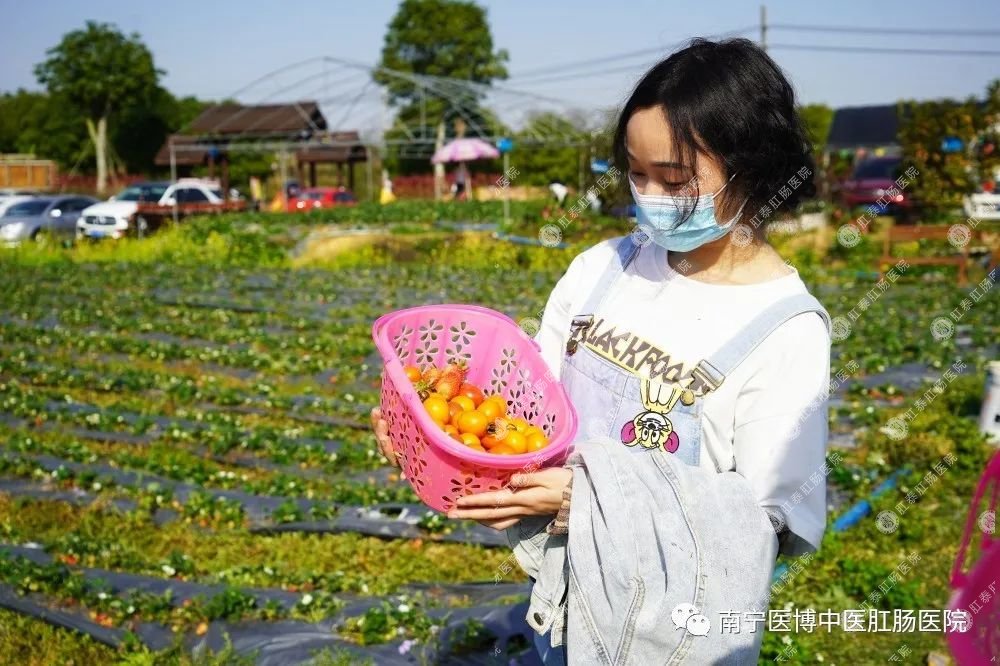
(117, 217)
(982, 206)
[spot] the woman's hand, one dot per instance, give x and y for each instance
(381, 428)
(529, 494)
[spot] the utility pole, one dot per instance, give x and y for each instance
(763, 27)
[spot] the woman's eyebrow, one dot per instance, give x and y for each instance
(663, 163)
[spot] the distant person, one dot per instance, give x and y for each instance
(386, 195)
(559, 191)
(461, 178)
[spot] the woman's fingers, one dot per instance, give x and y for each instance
(490, 513)
(488, 499)
(501, 524)
(381, 428)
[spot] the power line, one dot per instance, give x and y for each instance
(656, 50)
(886, 50)
(925, 32)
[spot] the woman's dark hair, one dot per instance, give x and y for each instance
(730, 100)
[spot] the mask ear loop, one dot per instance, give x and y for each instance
(725, 185)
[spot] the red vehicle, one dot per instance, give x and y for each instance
(871, 180)
(310, 198)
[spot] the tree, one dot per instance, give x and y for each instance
(37, 123)
(817, 119)
(438, 38)
(540, 164)
(943, 178)
(99, 72)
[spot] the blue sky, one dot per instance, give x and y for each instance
(212, 49)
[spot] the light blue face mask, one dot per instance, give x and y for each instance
(662, 218)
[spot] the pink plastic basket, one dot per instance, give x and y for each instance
(977, 592)
(502, 359)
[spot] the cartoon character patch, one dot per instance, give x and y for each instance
(651, 428)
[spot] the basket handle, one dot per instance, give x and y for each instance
(991, 473)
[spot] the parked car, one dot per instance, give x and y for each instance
(118, 217)
(870, 180)
(320, 197)
(9, 200)
(984, 204)
(34, 218)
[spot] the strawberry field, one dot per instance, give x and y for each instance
(187, 473)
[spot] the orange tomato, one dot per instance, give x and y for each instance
(537, 441)
(519, 424)
(489, 441)
(412, 373)
(437, 408)
(465, 402)
(454, 410)
(503, 449)
(516, 441)
(450, 429)
(491, 408)
(470, 440)
(473, 422)
(472, 392)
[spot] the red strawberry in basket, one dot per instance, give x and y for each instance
(451, 379)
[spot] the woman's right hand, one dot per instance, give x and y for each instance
(381, 428)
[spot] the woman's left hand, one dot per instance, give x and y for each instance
(529, 494)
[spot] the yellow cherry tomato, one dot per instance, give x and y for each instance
(464, 402)
(472, 422)
(516, 441)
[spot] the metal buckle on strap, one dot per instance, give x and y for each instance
(578, 324)
(708, 374)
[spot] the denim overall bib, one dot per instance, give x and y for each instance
(647, 415)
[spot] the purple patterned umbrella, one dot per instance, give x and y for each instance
(464, 150)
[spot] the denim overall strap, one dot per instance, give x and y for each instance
(625, 252)
(724, 360)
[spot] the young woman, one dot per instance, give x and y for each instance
(691, 336)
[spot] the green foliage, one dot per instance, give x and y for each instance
(37, 123)
(98, 69)
(445, 38)
(438, 38)
(944, 178)
(541, 164)
(817, 119)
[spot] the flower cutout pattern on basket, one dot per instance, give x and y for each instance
(549, 425)
(402, 342)
(427, 345)
(500, 373)
(462, 333)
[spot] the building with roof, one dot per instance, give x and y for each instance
(298, 129)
